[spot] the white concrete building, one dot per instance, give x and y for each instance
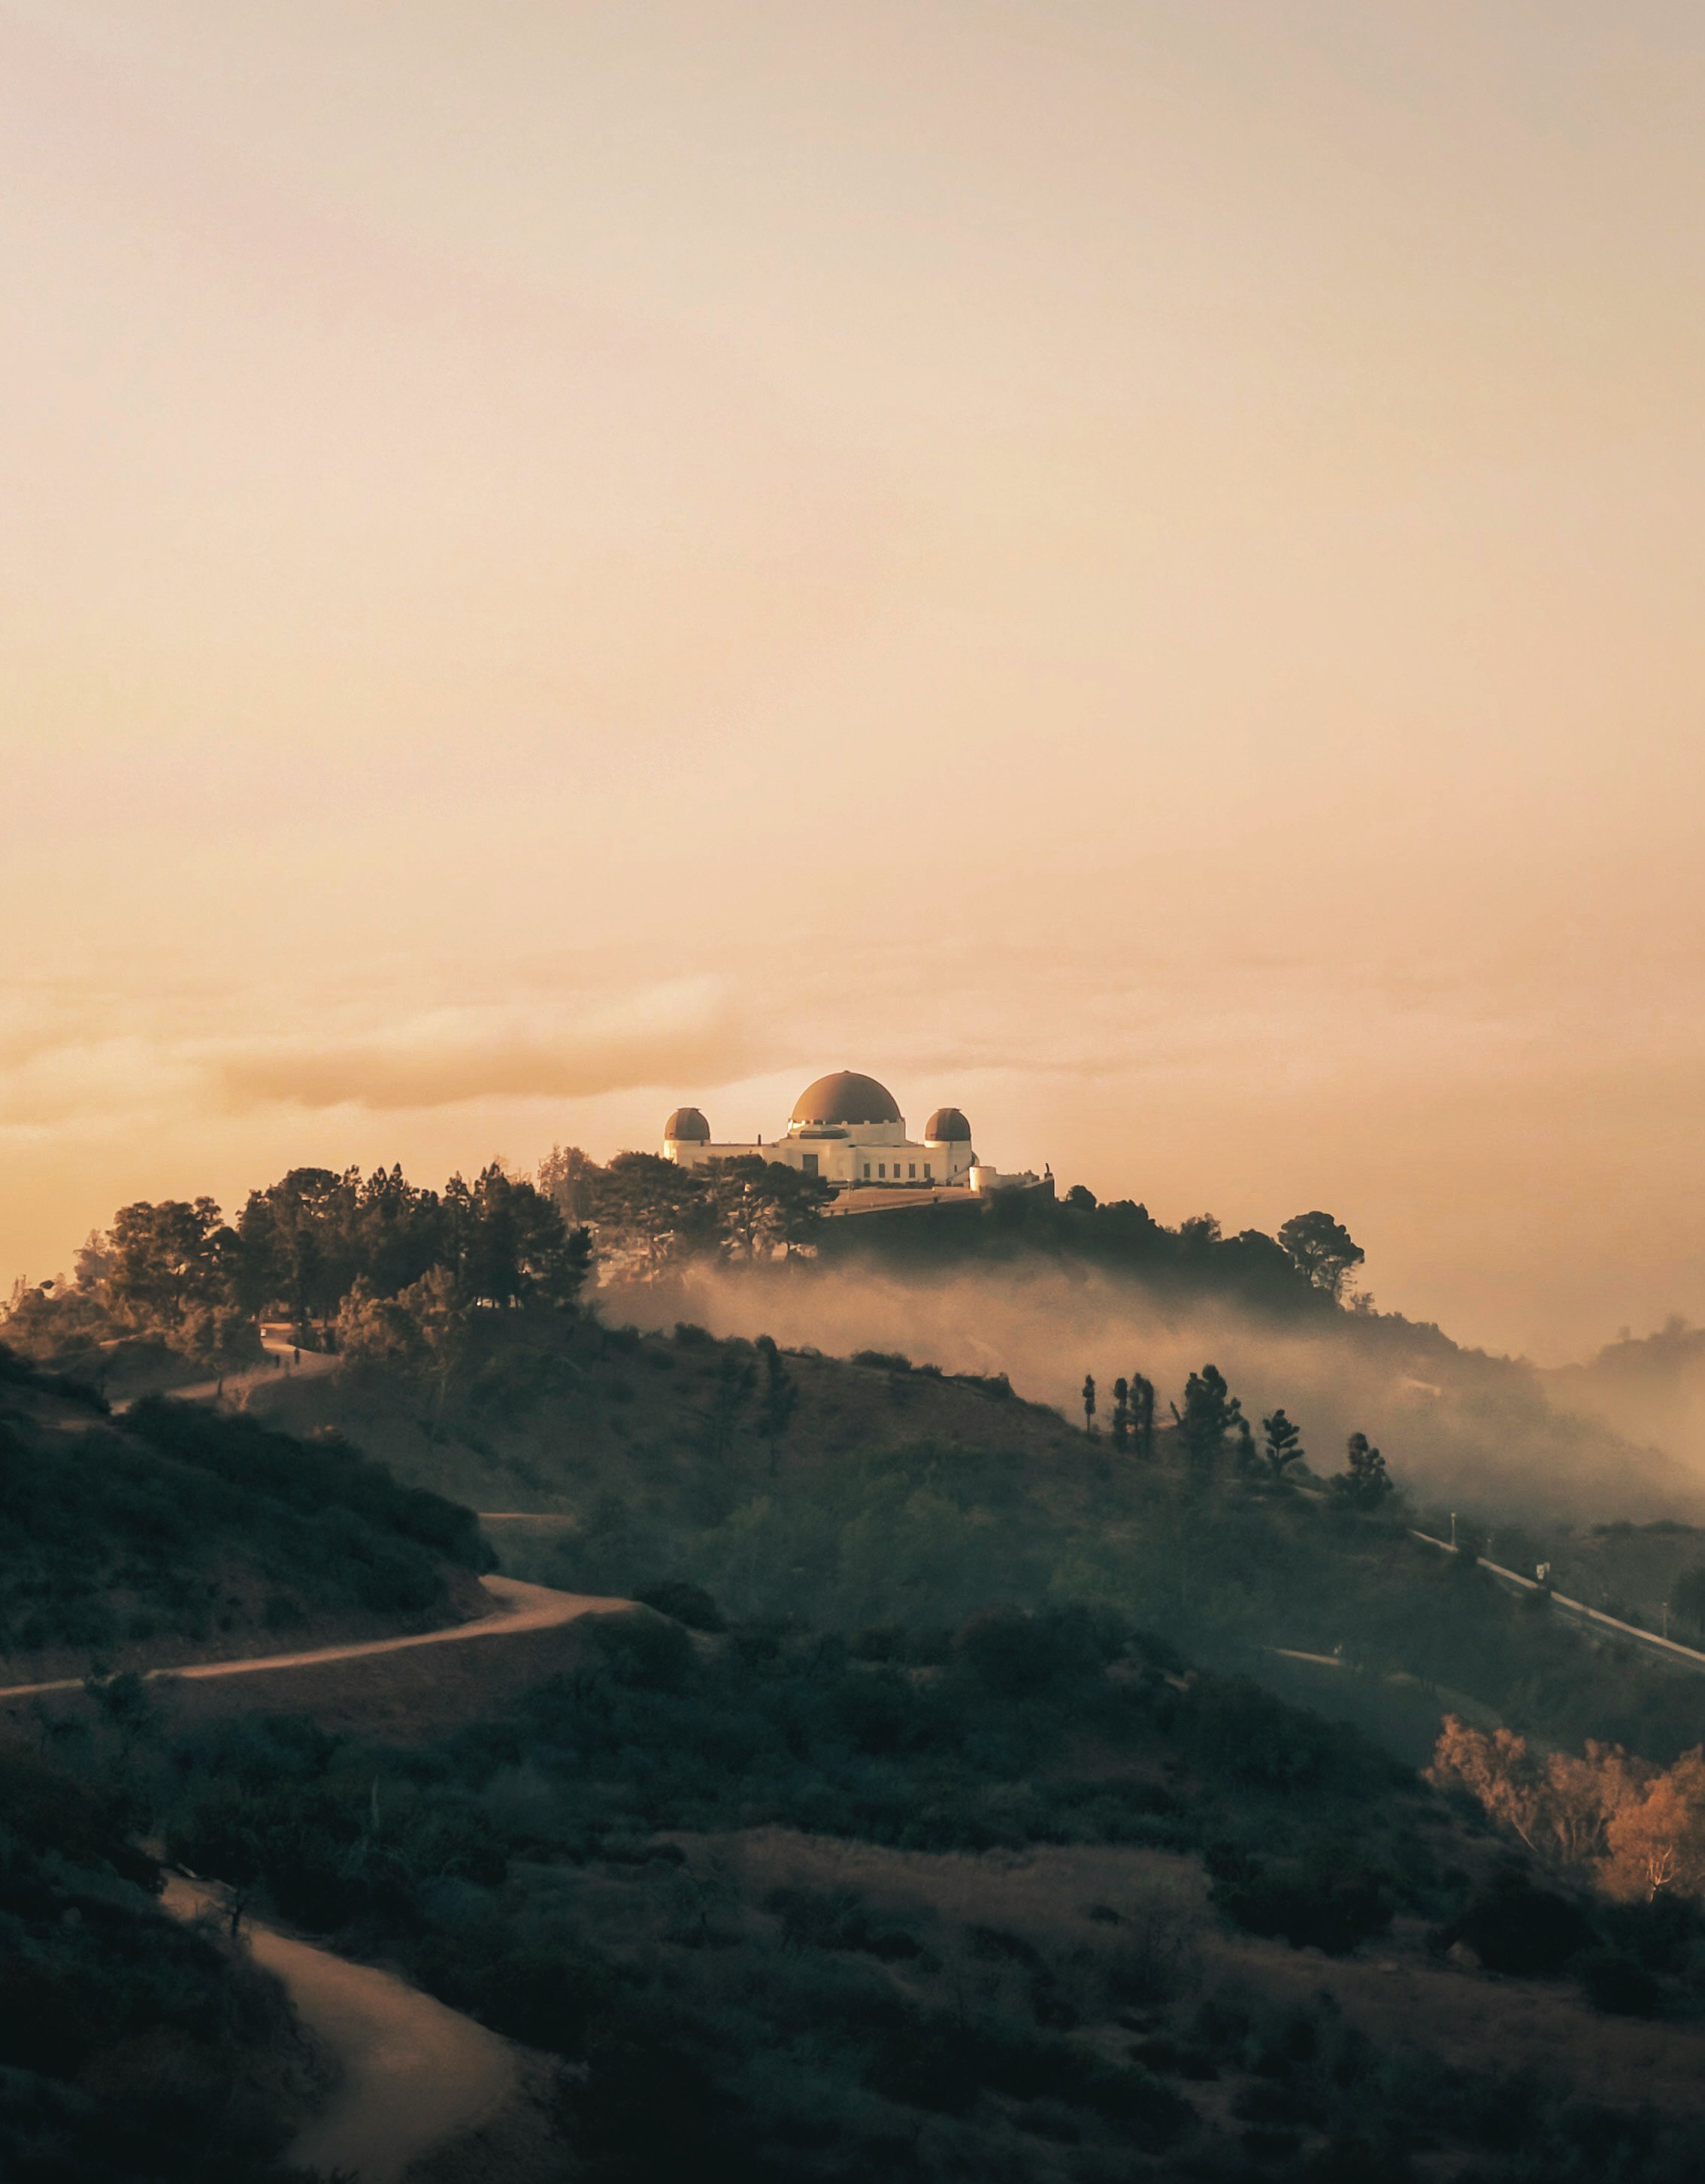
(848, 1130)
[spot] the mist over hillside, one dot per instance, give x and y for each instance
(1495, 1434)
(1651, 1385)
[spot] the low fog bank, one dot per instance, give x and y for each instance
(1491, 1435)
(1652, 1387)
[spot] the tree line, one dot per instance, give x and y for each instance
(379, 1265)
(1215, 1437)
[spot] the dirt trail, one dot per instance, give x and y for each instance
(520, 1607)
(284, 1361)
(413, 2075)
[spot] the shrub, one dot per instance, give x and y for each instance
(644, 1648)
(686, 1603)
(1513, 1927)
(1617, 1985)
(1319, 1903)
(1015, 1655)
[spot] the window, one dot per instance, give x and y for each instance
(809, 1163)
(867, 1171)
(926, 1171)
(911, 1167)
(881, 1168)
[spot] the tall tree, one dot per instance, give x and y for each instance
(1281, 1443)
(1122, 1413)
(1088, 1394)
(1364, 1482)
(567, 1176)
(777, 1397)
(298, 1243)
(1143, 1415)
(164, 1260)
(1323, 1249)
(652, 1210)
(729, 1393)
(1210, 1416)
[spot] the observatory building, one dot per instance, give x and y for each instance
(848, 1130)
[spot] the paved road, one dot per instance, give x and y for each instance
(519, 1607)
(412, 2073)
(1666, 1649)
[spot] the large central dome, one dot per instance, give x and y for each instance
(845, 1096)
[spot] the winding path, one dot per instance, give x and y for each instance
(411, 2074)
(520, 1607)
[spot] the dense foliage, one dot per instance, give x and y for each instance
(605, 1874)
(177, 1272)
(381, 1267)
(133, 2048)
(174, 1522)
(1303, 1270)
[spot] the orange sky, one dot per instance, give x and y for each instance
(1132, 566)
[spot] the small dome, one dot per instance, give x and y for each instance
(947, 1127)
(845, 1097)
(687, 1124)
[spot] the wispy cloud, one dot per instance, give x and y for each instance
(77, 1063)
(680, 1032)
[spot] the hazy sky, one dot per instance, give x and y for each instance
(1135, 567)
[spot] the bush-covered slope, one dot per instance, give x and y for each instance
(133, 2048)
(888, 1495)
(1034, 1901)
(172, 1531)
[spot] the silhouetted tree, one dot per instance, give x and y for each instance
(735, 1378)
(163, 1261)
(655, 1208)
(1210, 1416)
(1088, 1402)
(1143, 1415)
(1281, 1443)
(777, 1399)
(1122, 1413)
(1364, 1483)
(298, 1239)
(1322, 1248)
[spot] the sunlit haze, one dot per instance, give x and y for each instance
(1132, 567)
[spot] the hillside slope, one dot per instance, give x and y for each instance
(894, 1495)
(174, 1533)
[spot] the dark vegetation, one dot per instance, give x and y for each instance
(900, 1496)
(133, 2048)
(630, 1872)
(1304, 1269)
(744, 1871)
(379, 1263)
(172, 1522)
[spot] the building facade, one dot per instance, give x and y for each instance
(848, 1130)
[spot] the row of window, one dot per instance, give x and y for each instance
(911, 1172)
